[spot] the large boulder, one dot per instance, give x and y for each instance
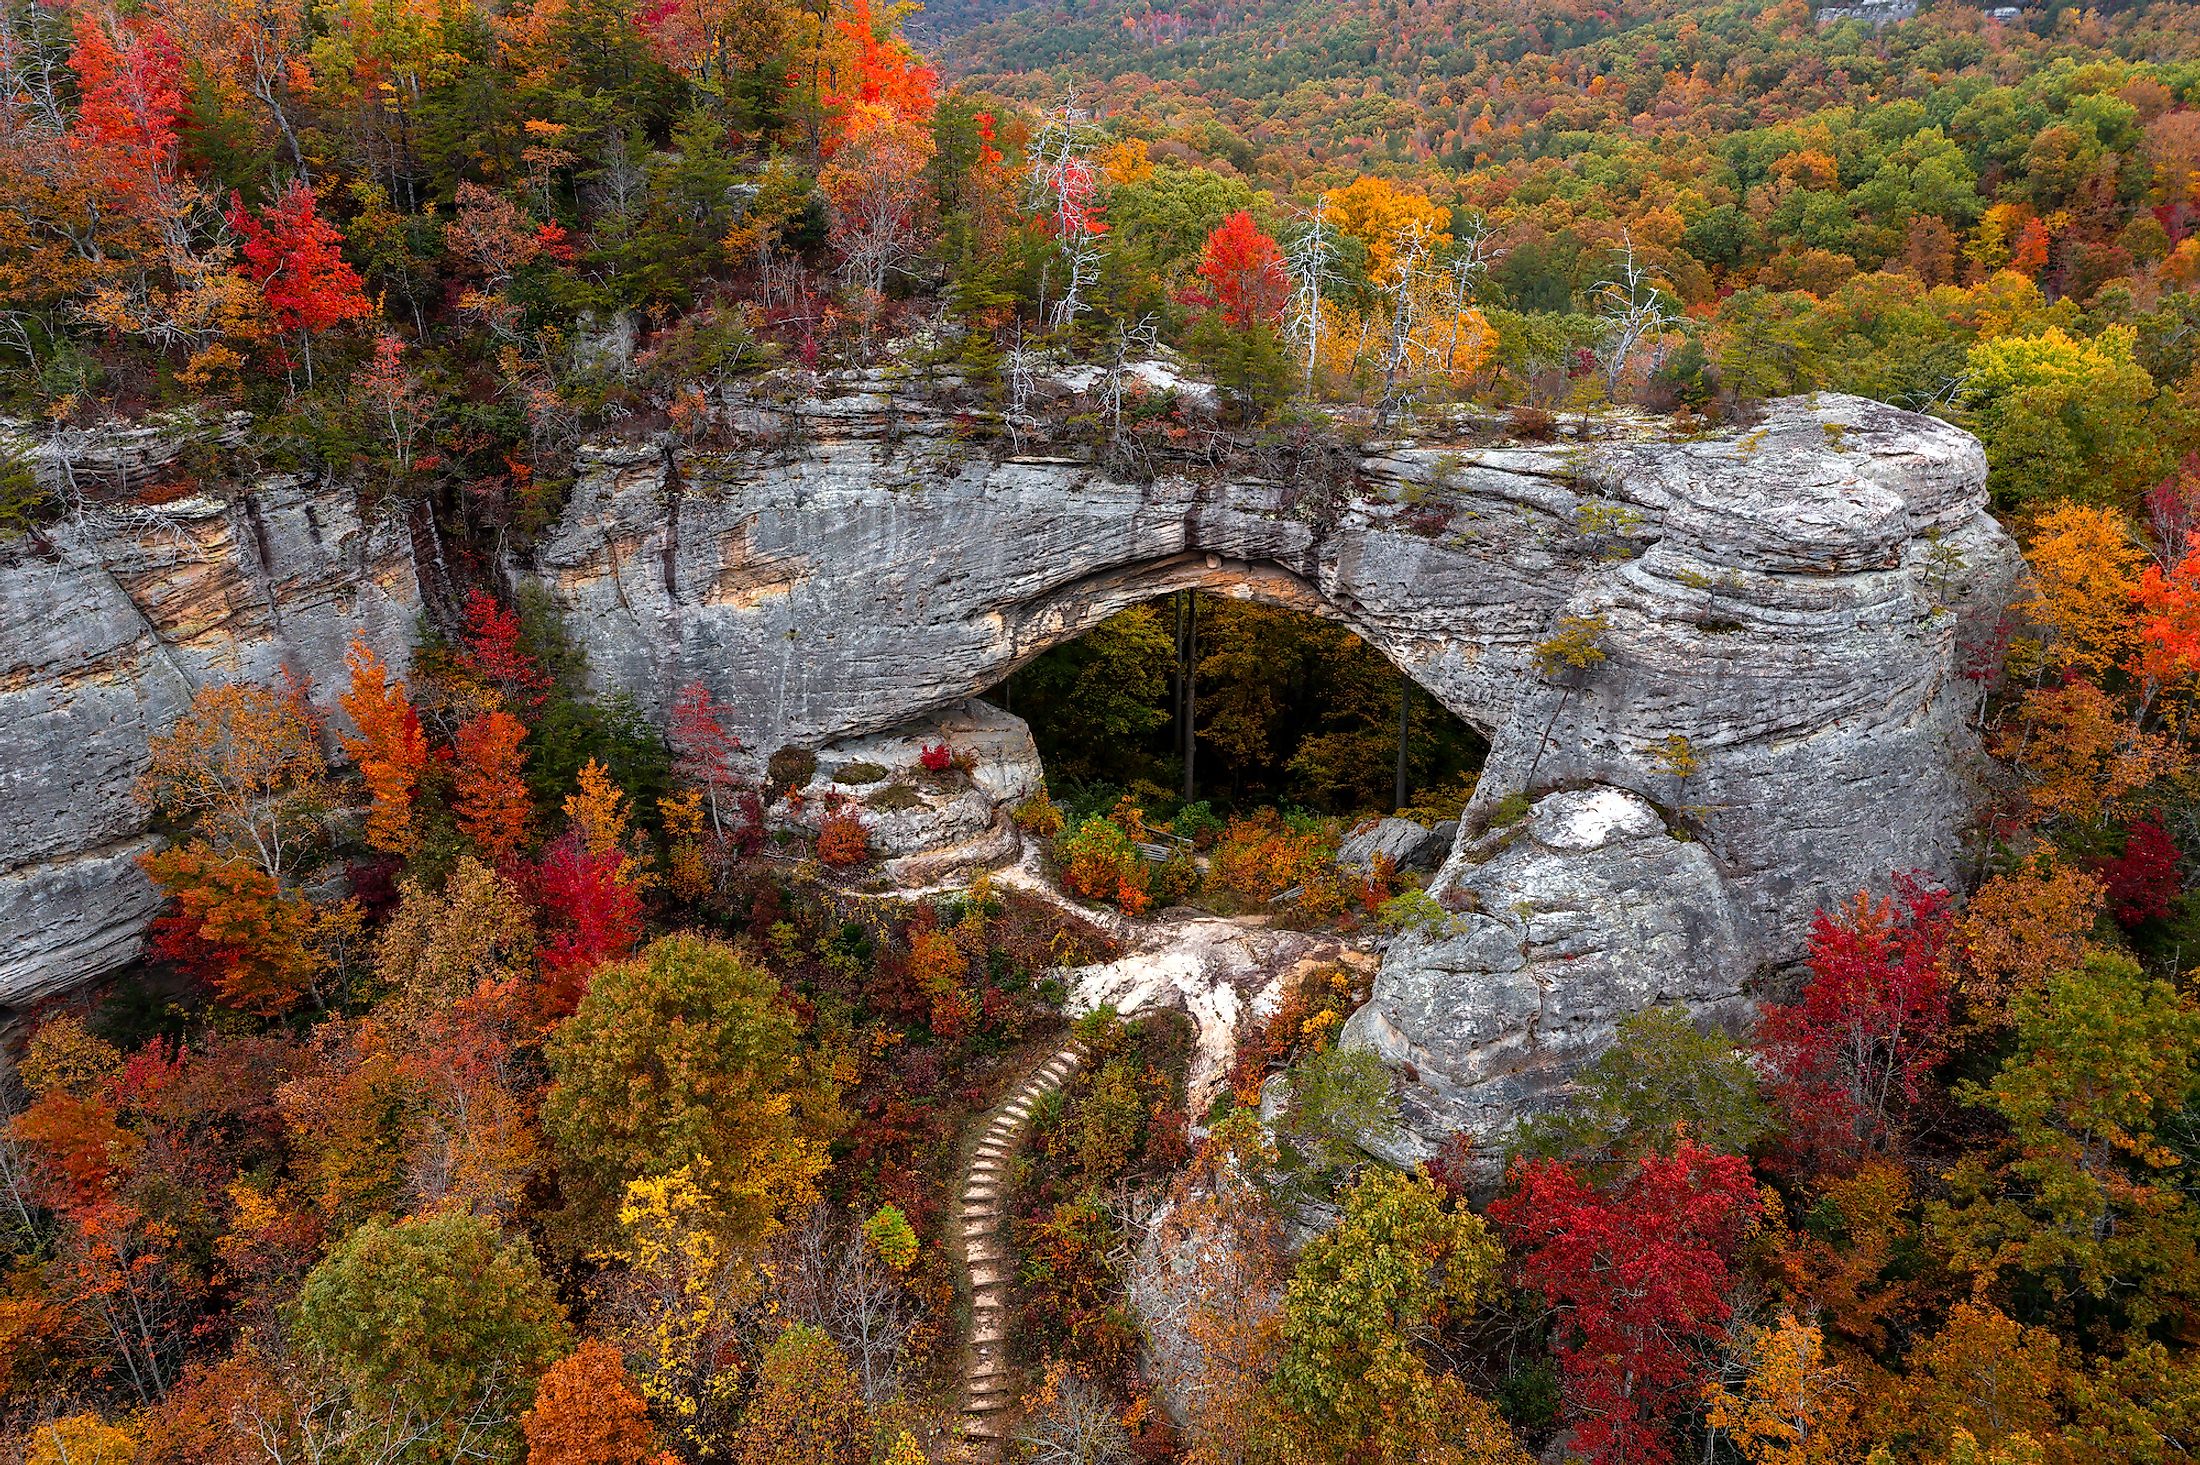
(1546, 933)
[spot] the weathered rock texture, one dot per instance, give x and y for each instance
(927, 824)
(108, 623)
(1795, 600)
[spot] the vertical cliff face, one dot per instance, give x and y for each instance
(108, 622)
(1775, 713)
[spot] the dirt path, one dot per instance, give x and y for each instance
(988, 1381)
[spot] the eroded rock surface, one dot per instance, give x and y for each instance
(927, 824)
(1552, 929)
(108, 623)
(1783, 616)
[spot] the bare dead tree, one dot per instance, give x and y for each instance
(831, 1277)
(1634, 312)
(1063, 184)
(1310, 260)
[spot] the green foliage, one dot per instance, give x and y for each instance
(2091, 1200)
(2064, 418)
(1397, 1267)
(439, 1315)
(24, 501)
(889, 1234)
(1341, 1102)
(1663, 1079)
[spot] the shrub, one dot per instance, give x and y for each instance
(1100, 862)
(791, 768)
(855, 774)
(1038, 815)
(842, 840)
(890, 1236)
(1259, 857)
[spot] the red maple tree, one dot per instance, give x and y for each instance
(488, 794)
(2168, 622)
(294, 256)
(593, 916)
(2143, 880)
(494, 654)
(130, 95)
(882, 74)
(1639, 1277)
(1851, 1054)
(1245, 282)
(390, 750)
(708, 755)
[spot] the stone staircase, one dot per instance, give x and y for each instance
(988, 1383)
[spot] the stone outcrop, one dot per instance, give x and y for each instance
(1774, 623)
(926, 824)
(1407, 844)
(1589, 907)
(1767, 630)
(108, 622)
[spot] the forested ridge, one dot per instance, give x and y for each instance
(512, 1076)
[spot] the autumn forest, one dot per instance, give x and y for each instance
(514, 1072)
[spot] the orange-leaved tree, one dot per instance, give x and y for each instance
(488, 792)
(391, 750)
(588, 1412)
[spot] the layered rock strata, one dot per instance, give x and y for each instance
(1761, 636)
(1759, 639)
(108, 623)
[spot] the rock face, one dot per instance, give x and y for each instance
(1774, 625)
(1586, 909)
(108, 623)
(1766, 632)
(927, 824)
(1406, 844)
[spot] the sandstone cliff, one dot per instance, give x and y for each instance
(1793, 605)
(108, 621)
(1797, 601)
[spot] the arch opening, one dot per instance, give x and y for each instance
(1240, 699)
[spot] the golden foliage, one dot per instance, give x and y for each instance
(2085, 568)
(2081, 751)
(1792, 1406)
(2020, 928)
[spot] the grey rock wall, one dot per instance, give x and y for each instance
(108, 622)
(1797, 601)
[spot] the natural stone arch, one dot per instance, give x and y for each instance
(1793, 598)
(1061, 615)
